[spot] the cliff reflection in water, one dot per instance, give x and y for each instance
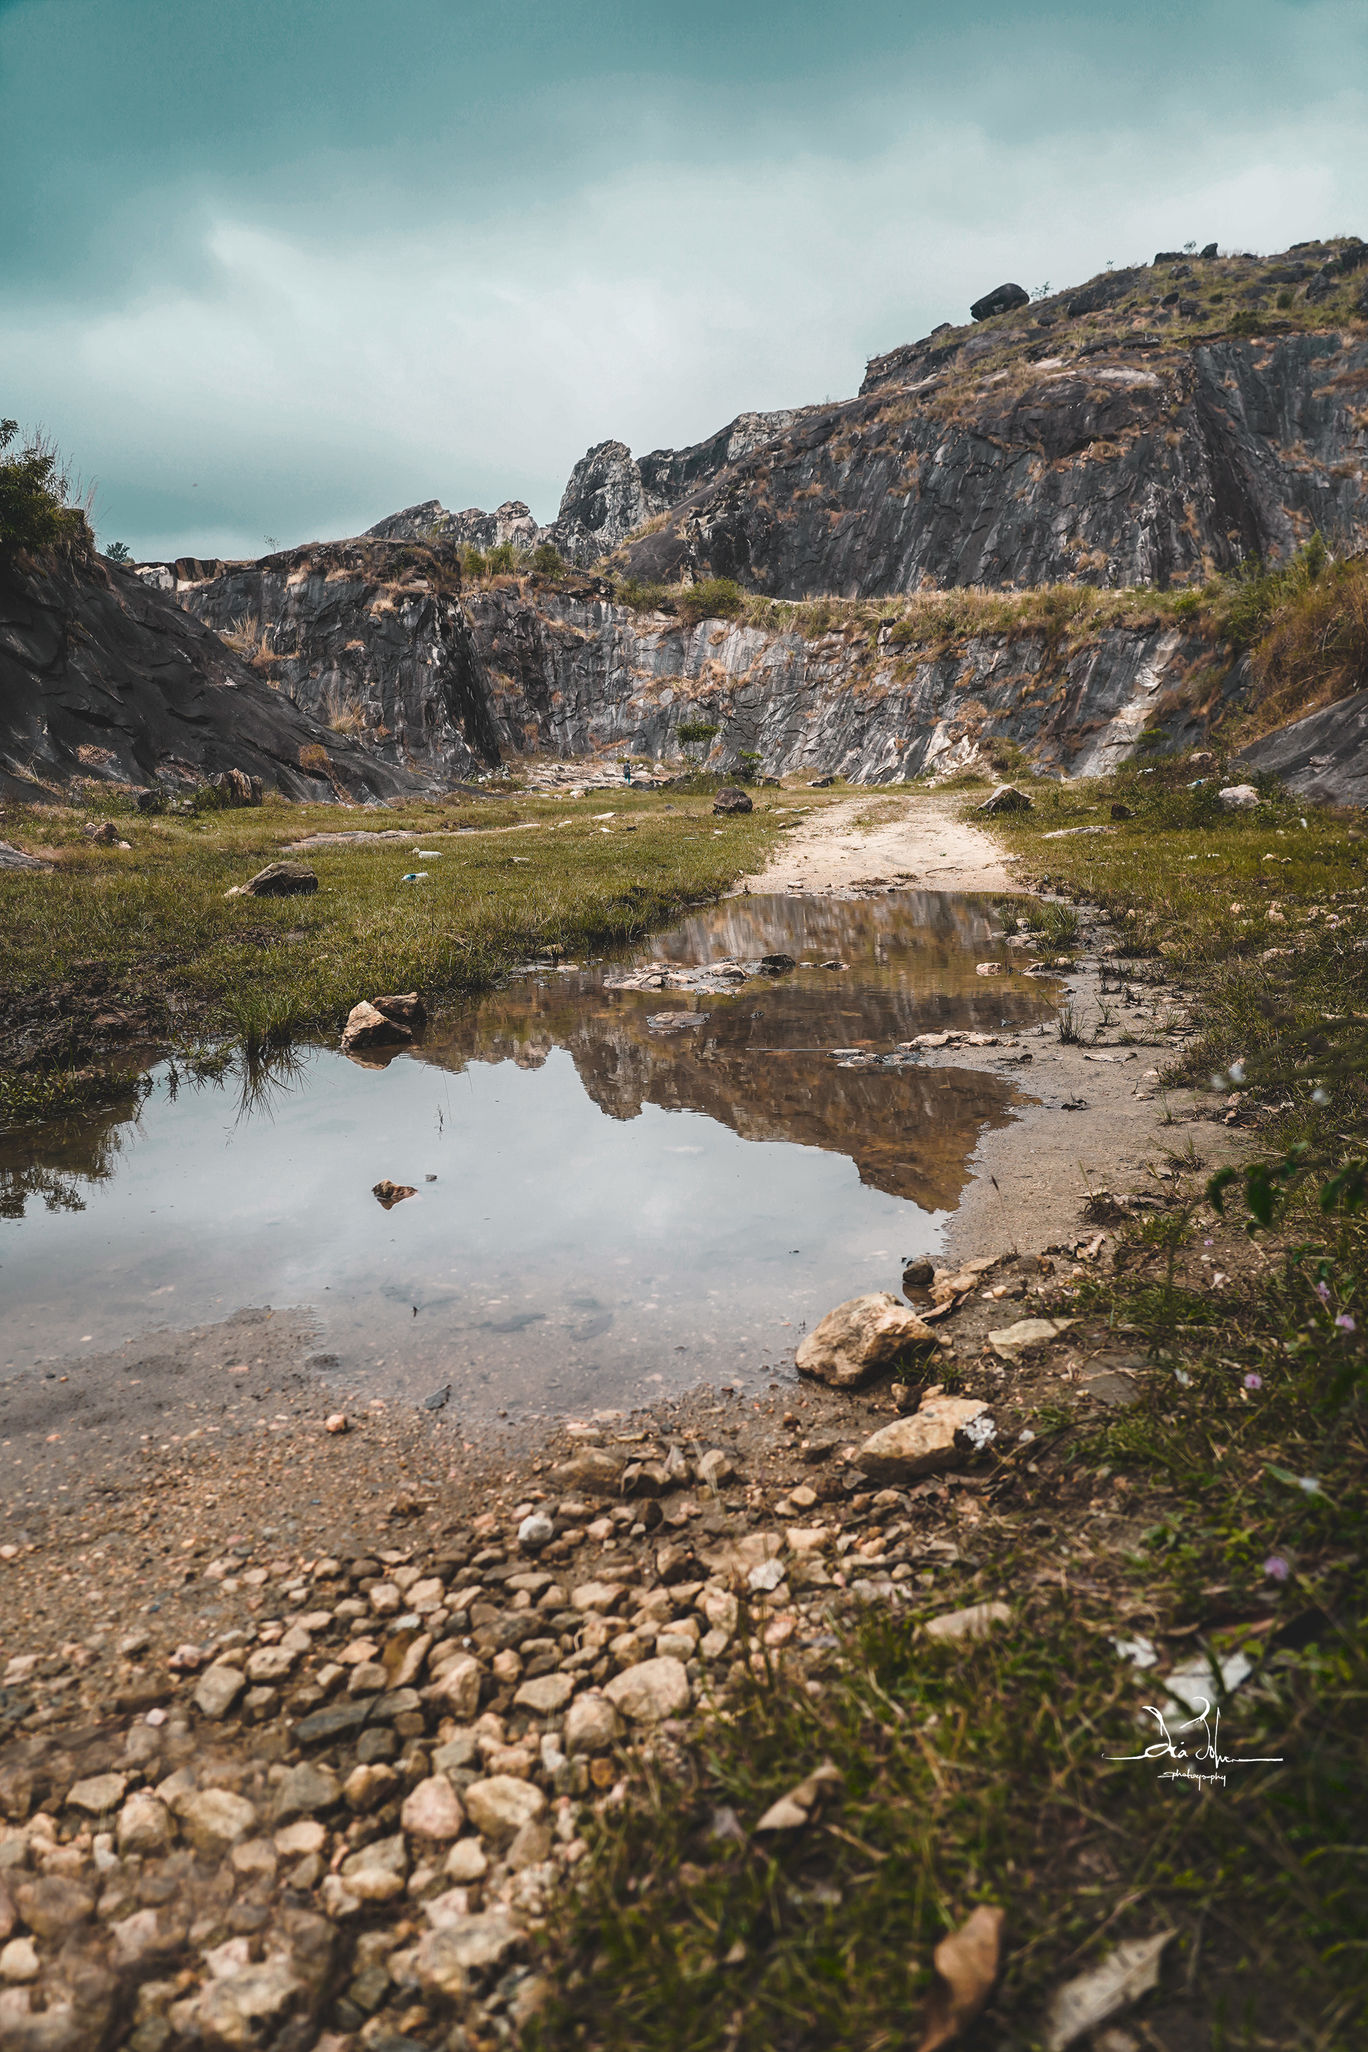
(761, 1063)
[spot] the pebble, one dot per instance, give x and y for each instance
(433, 1810)
(499, 1806)
(651, 1690)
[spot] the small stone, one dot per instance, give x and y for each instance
(215, 1819)
(239, 2010)
(458, 1687)
(306, 1835)
(592, 1725)
(921, 1444)
(304, 1789)
(145, 1825)
(218, 1689)
(592, 1469)
(377, 1872)
(478, 1944)
(859, 1337)
(545, 1694)
(466, 1862)
(440, 1966)
(499, 1806)
(337, 1421)
(97, 1793)
(1009, 1342)
(535, 1532)
(715, 1468)
(19, 1961)
(367, 1026)
(651, 1690)
(531, 1846)
(53, 1906)
(433, 1810)
(272, 1663)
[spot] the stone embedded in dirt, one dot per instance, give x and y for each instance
(433, 1810)
(458, 1687)
(500, 1805)
(53, 1906)
(1006, 798)
(919, 1445)
(404, 1009)
(715, 1468)
(546, 1694)
(729, 799)
(337, 1421)
(98, 1793)
(592, 1725)
(304, 1789)
(466, 1862)
(536, 1531)
(1010, 1341)
(593, 1469)
(859, 1337)
(145, 1825)
(971, 1623)
(277, 880)
(1002, 299)
(389, 1194)
(215, 1820)
(651, 1690)
(1238, 797)
(368, 1027)
(241, 2008)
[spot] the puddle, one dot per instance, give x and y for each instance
(605, 1209)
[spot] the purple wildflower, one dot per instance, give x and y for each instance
(1346, 1323)
(1276, 1568)
(1253, 1381)
(1323, 1292)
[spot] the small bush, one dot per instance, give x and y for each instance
(34, 513)
(714, 598)
(547, 560)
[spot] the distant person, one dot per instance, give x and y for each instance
(627, 770)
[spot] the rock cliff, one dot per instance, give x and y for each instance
(368, 637)
(104, 678)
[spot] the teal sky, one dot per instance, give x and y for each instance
(273, 268)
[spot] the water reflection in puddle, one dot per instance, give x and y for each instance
(603, 1210)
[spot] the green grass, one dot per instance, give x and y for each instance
(977, 1773)
(153, 925)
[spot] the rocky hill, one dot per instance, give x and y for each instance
(103, 678)
(368, 637)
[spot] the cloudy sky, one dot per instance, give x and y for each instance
(273, 268)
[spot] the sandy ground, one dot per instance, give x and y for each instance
(909, 841)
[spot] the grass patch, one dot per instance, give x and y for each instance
(152, 928)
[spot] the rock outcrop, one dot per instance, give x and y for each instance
(430, 522)
(368, 637)
(104, 678)
(570, 672)
(1323, 758)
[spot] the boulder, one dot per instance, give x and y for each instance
(235, 787)
(858, 1338)
(1002, 299)
(651, 1691)
(1009, 1340)
(15, 858)
(404, 1009)
(1006, 798)
(106, 834)
(367, 1026)
(932, 1438)
(278, 880)
(1238, 797)
(729, 799)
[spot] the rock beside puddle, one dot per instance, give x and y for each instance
(858, 1338)
(931, 1439)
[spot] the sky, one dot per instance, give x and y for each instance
(271, 269)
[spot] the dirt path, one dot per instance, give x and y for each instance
(917, 840)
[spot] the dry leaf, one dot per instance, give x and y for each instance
(1122, 1978)
(793, 1810)
(966, 1966)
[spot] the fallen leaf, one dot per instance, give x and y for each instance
(1104, 1991)
(966, 1964)
(795, 1809)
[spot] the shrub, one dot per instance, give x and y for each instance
(1315, 649)
(118, 552)
(33, 493)
(713, 598)
(547, 560)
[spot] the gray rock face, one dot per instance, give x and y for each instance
(431, 522)
(1322, 757)
(1134, 460)
(369, 638)
(104, 676)
(1003, 299)
(611, 493)
(571, 673)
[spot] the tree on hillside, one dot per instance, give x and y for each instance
(33, 488)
